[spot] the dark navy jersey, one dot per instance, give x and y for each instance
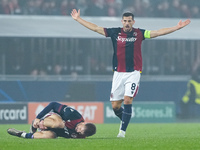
(127, 55)
(66, 133)
(71, 117)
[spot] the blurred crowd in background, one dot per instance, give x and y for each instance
(43, 58)
(140, 8)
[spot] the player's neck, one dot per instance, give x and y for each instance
(127, 31)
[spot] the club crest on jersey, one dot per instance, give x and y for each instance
(134, 33)
(131, 39)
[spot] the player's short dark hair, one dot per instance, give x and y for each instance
(90, 129)
(127, 14)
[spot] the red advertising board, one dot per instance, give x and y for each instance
(91, 111)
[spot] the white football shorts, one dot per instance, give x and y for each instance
(124, 84)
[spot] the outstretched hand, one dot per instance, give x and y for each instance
(75, 15)
(183, 24)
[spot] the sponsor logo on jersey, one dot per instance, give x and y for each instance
(132, 39)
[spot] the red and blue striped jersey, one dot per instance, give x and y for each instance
(127, 55)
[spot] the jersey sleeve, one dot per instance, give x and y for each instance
(146, 33)
(110, 31)
(53, 106)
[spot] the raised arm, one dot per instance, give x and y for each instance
(76, 16)
(164, 31)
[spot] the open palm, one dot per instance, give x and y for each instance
(75, 15)
(183, 24)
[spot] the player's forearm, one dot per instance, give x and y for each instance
(167, 30)
(163, 31)
(87, 24)
(91, 26)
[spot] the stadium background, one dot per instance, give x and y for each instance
(46, 56)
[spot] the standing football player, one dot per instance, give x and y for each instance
(127, 60)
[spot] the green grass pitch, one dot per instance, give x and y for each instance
(174, 136)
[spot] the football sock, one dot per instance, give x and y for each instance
(126, 116)
(118, 112)
(27, 135)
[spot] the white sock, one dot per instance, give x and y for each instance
(23, 135)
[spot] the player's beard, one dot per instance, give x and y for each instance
(127, 28)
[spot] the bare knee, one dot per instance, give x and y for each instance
(128, 100)
(116, 104)
(54, 121)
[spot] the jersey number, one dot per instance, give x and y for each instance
(133, 88)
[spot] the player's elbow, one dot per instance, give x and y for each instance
(99, 30)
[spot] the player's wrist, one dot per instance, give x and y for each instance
(177, 27)
(78, 19)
